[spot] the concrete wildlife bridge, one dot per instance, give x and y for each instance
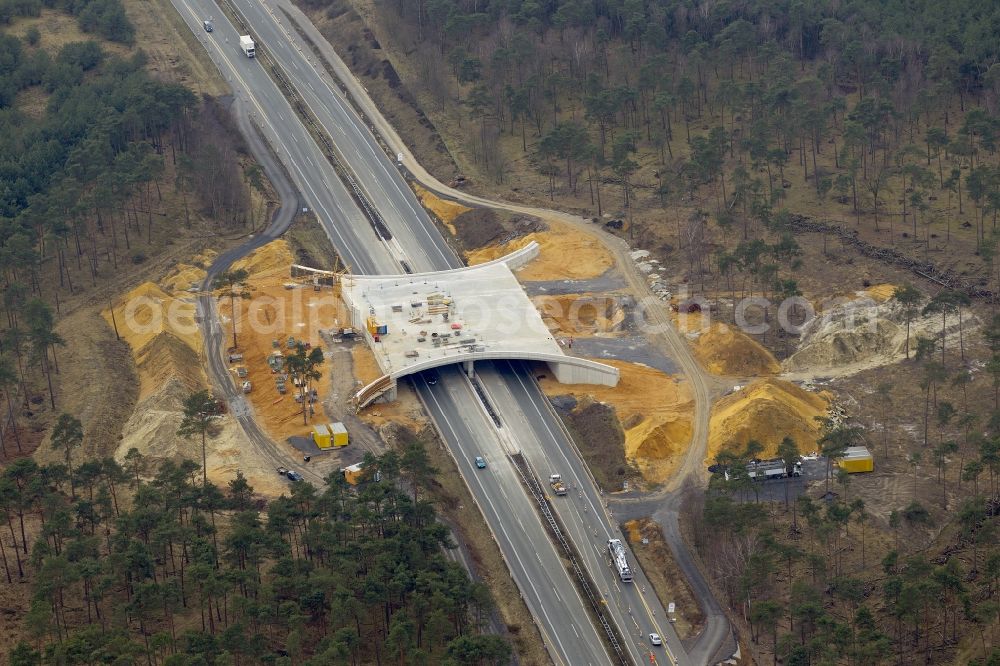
(421, 321)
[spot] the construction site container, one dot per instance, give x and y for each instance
(321, 435)
(856, 459)
(338, 434)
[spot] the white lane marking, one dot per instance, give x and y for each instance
(485, 495)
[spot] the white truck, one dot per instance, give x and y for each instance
(763, 470)
(620, 560)
(246, 44)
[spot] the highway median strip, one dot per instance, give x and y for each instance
(584, 583)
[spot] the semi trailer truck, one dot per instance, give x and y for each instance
(247, 45)
(620, 560)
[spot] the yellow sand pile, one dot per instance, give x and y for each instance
(564, 254)
(655, 407)
(767, 411)
(444, 210)
(581, 314)
(880, 293)
(723, 350)
(633, 531)
(263, 262)
(166, 346)
(162, 332)
(187, 275)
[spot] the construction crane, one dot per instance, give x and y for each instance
(318, 276)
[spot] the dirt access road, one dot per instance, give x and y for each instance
(717, 636)
(212, 331)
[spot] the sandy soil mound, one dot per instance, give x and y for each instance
(767, 410)
(862, 333)
(153, 426)
(148, 311)
(723, 350)
(444, 210)
(563, 255)
(655, 412)
(272, 258)
(880, 293)
(166, 358)
(186, 276)
(582, 314)
(838, 343)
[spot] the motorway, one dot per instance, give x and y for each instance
(549, 593)
(514, 391)
(635, 608)
(348, 229)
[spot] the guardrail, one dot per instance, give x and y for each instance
(534, 487)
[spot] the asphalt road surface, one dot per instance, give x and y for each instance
(313, 176)
(550, 594)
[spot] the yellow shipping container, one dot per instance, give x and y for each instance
(856, 459)
(338, 434)
(321, 435)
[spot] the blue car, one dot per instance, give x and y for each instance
(480, 463)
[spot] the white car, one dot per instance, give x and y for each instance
(655, 639)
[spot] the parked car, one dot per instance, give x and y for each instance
(480, 463)
(293, 475)
(282, 471)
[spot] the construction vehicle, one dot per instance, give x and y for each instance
(763, 470)
(247, 387)
(247, 45)
(558, 487)
(620, 560)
